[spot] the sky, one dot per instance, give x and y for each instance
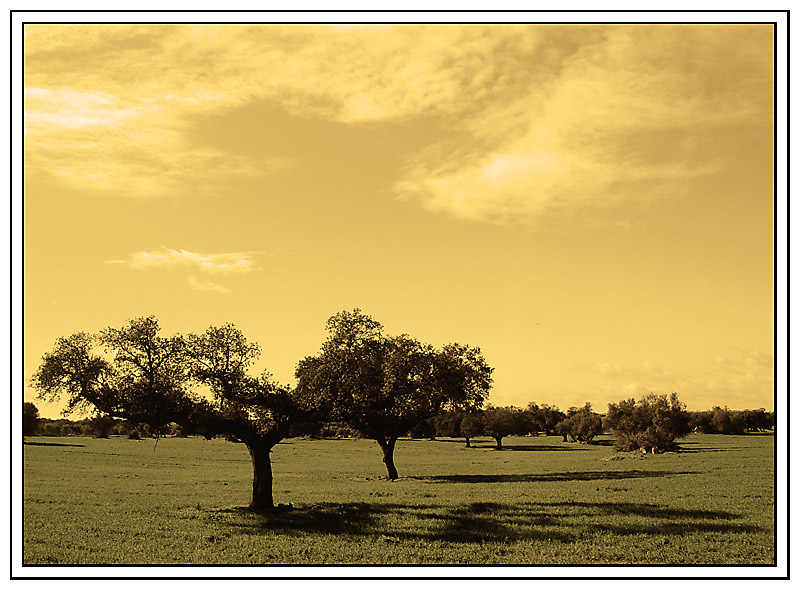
(591, 205)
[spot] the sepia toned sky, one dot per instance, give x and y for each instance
(592, 205)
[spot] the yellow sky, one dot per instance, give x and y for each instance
(591, 205)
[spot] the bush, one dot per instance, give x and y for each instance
(650, 425)
(580, 425)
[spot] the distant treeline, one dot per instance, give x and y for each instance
(577, 424)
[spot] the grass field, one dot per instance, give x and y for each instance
(540, 501)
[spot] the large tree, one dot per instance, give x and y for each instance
(197, 381)
(383, 386)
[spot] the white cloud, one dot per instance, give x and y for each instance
(237, 262)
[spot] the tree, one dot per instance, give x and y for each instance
(757, 420)
(384, 386)
(650, 425)
(471, 425)
(501, 422)
(135, 374)
(30, 419)
(726, 421)
(700, 421)
(551, 416)
(581, 424)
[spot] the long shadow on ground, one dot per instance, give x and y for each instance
(562, 447)
(550, 477)
(51, 444)
(481, 522)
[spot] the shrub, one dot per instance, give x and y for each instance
(650, 425)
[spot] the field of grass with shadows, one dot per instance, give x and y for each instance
(128, 502)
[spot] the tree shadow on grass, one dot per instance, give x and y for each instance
(51, 444)
(481, 522)
(549, 477)
(562, 447)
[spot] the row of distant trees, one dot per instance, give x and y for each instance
(575, 425)
(629, 420)
(95, 426)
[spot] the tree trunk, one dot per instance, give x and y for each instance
(467, 440)
(499, 440)
(262, 475)
(387, 446)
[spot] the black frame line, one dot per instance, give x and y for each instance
(775, 26)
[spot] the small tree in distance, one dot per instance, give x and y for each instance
(544, 418)
(650, 425)
(471, 425)
(501, 422)
(580, 425)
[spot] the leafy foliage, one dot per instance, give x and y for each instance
(581, 424)
(501, 422)
(544, 418)
(30, 419)
(385, 386)
(136, 374)
(651, 425)
(722, 420)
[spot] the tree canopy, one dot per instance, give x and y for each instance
(500, 422)
(580, 424)
(199, 381)
(384, 386)
(651, 425)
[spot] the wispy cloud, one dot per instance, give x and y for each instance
(207, 286)
(184, 261)
(236, 262)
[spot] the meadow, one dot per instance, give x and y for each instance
(538, 501)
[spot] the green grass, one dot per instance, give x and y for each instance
(541, 501)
